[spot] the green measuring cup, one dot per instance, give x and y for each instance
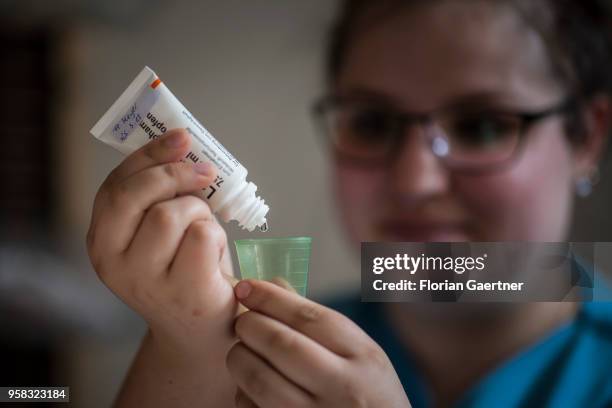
(276, 258)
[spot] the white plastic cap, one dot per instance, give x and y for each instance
(246, 208)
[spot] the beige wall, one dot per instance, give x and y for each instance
(248, 71)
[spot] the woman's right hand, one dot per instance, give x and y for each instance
(160, 249)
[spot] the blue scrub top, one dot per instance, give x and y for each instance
(570, 367)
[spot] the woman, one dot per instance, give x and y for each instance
(450, 121)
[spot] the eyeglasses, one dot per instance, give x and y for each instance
(370, 133)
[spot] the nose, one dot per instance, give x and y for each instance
(416, 172)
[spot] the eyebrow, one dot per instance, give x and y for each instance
(368, 94)
(473, 100)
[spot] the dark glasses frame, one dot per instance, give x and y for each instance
(526, 119)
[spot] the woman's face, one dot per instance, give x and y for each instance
(456, 53)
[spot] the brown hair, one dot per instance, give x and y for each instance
(577, 35)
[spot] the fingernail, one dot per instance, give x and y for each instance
(204, 169)
(243, 289)
(174, 139)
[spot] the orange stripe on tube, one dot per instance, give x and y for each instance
(155, 83)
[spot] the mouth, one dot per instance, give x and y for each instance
(423, 231)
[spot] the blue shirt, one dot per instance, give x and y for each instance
(570, 367)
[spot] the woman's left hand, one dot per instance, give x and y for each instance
(294, 352)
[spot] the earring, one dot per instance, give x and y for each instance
(584, 185)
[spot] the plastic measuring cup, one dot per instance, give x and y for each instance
(276, 258)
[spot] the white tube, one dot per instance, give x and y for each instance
(145, 110)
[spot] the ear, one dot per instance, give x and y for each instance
(597, 118)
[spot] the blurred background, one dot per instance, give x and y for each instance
(248, 71)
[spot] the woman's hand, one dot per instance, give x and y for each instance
(296, 353)
(160, 250)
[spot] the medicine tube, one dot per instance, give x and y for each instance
(146, 110)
